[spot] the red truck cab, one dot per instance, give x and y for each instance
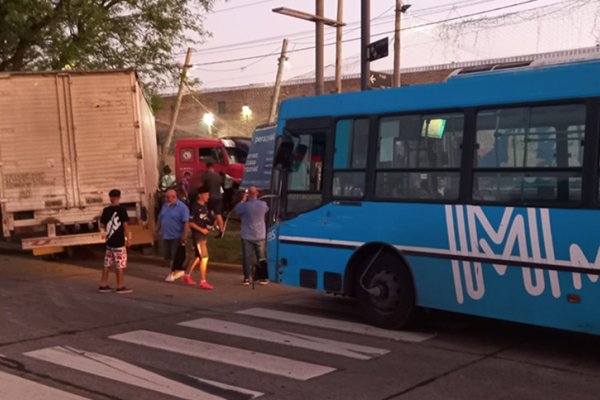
(191, 155)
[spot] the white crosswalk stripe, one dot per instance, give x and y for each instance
(275, 365)
(344, 326)
(287, 338)
(14, 387)
(253, 394)
(118, 370)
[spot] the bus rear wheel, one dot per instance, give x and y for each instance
(386, 293)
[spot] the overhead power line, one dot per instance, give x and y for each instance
(377, 34)
(241, 6)
(350, 27)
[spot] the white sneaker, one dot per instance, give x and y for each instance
(170, 277)
(178, 274)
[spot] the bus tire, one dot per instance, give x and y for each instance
(386, 294)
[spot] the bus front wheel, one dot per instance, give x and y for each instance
(386, 292)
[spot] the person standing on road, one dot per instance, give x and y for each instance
(214, 183)
(200, 221)
(173, 219)
(252, 214)
(167, 181)
(114, 222)
(184, 187)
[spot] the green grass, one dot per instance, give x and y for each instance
(225, 250)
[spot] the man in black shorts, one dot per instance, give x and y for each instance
(214, 183)
(200, 220)
(114, 220)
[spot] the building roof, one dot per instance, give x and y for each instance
(548, 57)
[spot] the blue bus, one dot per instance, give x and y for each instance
(479, 195)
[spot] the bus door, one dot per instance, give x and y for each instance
(300, 176)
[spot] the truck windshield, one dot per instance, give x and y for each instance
(233, 154)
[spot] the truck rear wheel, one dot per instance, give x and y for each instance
(386, 293)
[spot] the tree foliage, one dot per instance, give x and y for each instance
(101, 34)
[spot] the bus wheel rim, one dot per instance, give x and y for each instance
(390, 288)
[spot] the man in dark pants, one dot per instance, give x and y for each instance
(174, 220)
(254, 232)
(214, 183)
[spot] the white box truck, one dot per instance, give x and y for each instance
(66, 139)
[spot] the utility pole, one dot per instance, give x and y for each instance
(277, 88)
(338, 47)
(319, 12)
(400, 9)
(397, 44)
(167, 145)
(319, 21)
(365, 38)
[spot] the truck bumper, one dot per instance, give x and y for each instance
(55, 244)
(62, 241)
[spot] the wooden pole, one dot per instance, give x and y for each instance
(277, 87)
(319, 83)
(167, 145)
(338, 47)
(396, 82)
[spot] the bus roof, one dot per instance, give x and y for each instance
(528, 84)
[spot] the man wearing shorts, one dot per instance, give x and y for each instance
(200, 219)
(114, 221)
(213, 182)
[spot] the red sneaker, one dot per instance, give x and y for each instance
(205, 285)
(187, 279)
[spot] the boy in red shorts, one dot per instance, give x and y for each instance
(114, 221)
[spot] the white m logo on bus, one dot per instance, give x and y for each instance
(515, 231)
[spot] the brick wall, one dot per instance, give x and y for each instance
(229, 122)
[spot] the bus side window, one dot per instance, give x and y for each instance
(419, 156)
(529, 154)
(350, 158)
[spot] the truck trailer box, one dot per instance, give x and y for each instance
(66, 139)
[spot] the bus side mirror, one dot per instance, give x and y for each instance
(283, 157)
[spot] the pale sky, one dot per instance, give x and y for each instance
(473, 29)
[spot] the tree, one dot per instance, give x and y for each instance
(101, 34)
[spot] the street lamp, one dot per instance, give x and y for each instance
(246, 112)
(401, 8)
(319, 21)
(208, 119)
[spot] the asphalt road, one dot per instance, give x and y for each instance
(60, 339)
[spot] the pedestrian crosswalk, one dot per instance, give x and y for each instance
(15, 387)
(228, 355)
(246, 328)
(287, 338)
(337, 325)
(117, 370)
